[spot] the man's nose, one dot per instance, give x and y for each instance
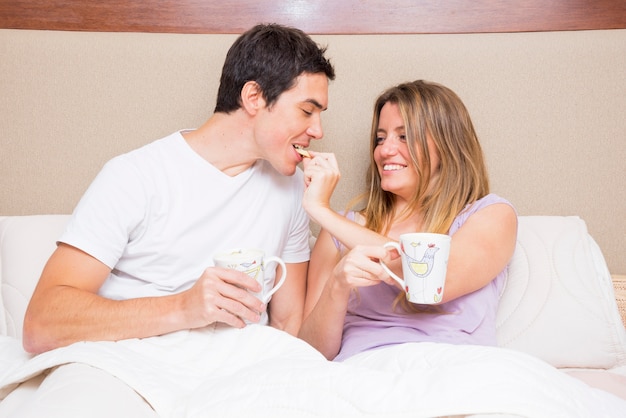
(315, 130)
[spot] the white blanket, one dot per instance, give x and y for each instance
(259, 371)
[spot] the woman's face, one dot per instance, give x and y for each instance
(396, 170)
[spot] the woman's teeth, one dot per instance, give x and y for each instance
(392, 167)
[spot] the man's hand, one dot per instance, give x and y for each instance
(223, 295)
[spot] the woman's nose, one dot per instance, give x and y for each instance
(389, 146)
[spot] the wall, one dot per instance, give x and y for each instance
(548, 107)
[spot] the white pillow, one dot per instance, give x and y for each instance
(26, 243)
(559, 303)
(3, 320)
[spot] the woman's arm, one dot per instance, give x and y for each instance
(325, 305)
(331, 279)
(480, 249)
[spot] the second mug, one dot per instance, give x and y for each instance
(424, 265)
(253, 262)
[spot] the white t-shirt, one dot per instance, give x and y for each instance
(158, 214)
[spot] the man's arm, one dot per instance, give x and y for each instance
(287, 305)
(65, 307)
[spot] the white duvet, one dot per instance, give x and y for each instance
(261, 372)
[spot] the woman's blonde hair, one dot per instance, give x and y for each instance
(429, 110)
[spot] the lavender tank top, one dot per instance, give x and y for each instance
(371, 323)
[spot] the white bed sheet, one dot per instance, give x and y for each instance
(261, 372)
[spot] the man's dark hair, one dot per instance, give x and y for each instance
(273, 56)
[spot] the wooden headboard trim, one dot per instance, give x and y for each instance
(314, 16)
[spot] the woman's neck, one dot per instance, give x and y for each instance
(401, 223)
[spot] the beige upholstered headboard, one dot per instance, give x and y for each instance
(548, 96)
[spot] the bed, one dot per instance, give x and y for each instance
(562, 347)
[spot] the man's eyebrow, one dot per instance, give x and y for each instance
(315, 103)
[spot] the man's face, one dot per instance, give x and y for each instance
(293, 120)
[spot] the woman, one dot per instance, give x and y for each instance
(427, 173)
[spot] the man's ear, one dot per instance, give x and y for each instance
(252, 97)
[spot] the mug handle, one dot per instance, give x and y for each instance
(387, 269)
(283, 276)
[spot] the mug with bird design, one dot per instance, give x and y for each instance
(424, 265)
(253, 262)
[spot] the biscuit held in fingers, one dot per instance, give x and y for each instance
(303, 152)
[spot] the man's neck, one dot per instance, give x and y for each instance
(226, 142)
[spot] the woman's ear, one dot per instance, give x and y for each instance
(252, 97)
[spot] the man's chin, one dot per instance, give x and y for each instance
(286, 170)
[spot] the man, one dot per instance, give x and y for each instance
(136, 258)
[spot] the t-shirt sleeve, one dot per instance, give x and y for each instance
(108, 212)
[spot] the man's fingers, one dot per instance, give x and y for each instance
(237, 278)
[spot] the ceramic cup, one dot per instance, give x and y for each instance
(424, 264)
(253, 262)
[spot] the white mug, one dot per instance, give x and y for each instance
(253, 262)
(424, 265)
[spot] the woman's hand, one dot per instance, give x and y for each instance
(360, 267)
(321, 175)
